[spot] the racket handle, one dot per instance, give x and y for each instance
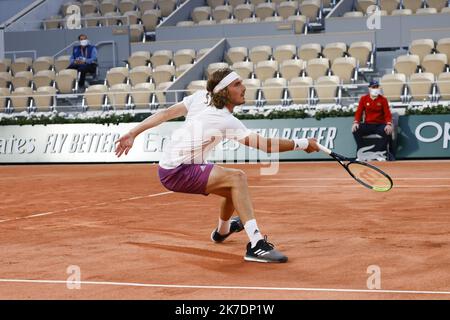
(324, 149)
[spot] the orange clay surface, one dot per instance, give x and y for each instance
(132, 239)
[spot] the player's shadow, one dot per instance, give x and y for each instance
(406, 143)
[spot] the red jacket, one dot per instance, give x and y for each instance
(376, 111)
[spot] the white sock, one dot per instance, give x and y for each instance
(224, 226)
(253, 232)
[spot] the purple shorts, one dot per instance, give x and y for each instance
(187, 178)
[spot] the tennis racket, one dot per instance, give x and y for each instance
(366, 174)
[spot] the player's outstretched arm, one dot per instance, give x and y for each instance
(272, 145)
(125, 142)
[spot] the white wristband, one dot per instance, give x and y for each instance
(301, 144)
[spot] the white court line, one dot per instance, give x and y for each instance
(149, 285)
(343, 179)
(352, 186)
(85, 206)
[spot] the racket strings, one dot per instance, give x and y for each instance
(370, 176)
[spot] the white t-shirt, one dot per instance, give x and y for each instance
(195, 103)
(201, 132)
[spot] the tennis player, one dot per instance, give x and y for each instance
(183, 168)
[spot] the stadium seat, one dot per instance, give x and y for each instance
(150, 19)
(235, 3)
(393, 86)
(437, 4)
(264, 10)
(273, 90)
(4, 92)
(21, 64)
(273, 19)
(141, 94)
(43, 63)
(131, 18)
(5, 79)
(196, 85)
(66, 80)
(420, 86)
(344, 68)
(183, 56)
(326, 88)
(22, 79)
(202, 52)
(445, 10)
(443, 85)
(161, 57)
(291, 69)
(300, 90)
(252, 86)
(334, 50)
(299, 23)
(389, 5)
(117, 75)
(443, 46)
(94, 96)
(426, 11)
(353, 14)
(111, 19)
(287, 8)
(118, 95)
(309, 51)
(92, 20)
(107, 6)
(310, 9)
(182, 69)
(187, 23)
(163, 73)
(201, 14)
(214, 67)
(61, 63)
(251, 20)
(256, 2)
(5, 64)
(362, 5)
(167, 7)
(53, 22)
(136, 32)
(318, 67)
(20, 98)
(421, 47)
(243, 11)
(138, 58)
(260, 53)
(413, 5)
(44, 97)
(266, 69)
(401, 12)
(435, 63)
(44, 78)
(243, 68)
(236, 54)
(284, 52)
(215, 3)
(361, 50)
(127, 5)
(88, 7)
(140, 74)
(161, 93)
(145, 5)
(229, 21)
(222, 12)
(207, 22)
(406, 64)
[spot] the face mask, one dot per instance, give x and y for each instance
(84, 43)
(374, 92)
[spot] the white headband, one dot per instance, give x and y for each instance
(225, 82)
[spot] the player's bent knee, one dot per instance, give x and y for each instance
(239, 177)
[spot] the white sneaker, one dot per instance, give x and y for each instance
(381, 159)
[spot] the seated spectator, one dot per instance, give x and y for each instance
(378, 120)
(84, 59)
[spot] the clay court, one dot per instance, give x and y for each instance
(132, 239)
